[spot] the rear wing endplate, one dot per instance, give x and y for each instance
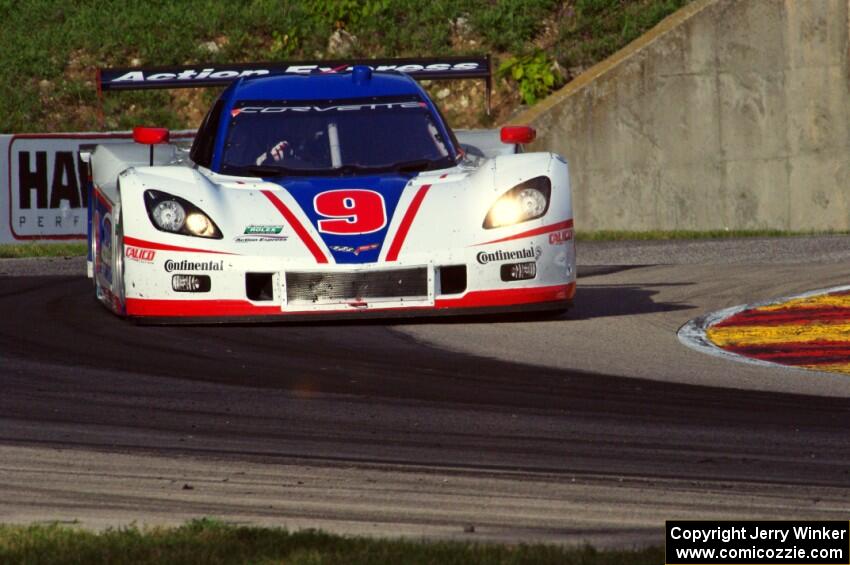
(192, 76)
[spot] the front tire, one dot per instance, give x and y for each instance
(118, 288)
(110, 293)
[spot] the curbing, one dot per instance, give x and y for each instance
(693, 333)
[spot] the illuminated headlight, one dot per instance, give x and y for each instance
(199, 225)
(526, 201)
(505, 212)
(176, 215)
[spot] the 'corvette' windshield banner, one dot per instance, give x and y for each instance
(333, 108)
(188, 76)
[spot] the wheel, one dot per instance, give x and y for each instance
(108, 262)
(94, 251)
(118, 288)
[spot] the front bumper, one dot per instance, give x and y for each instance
(468, 280)
(557, 298)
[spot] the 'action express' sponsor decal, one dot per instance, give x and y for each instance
(185, 265)
(500, 256)
(211, 73)
(139, 254)
(259, 238)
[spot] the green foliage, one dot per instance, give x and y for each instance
(509, 25)
(598, 28)
(49, 49)
(636, 22)
(282, 44)
(595, 7)
(211, 542)
(534, 74)
(406, 28)
(346, 12)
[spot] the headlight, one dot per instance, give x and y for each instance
(526, 201)
(199, 225)
(173, 214)
(169, 215)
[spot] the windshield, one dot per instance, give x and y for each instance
(267, 138)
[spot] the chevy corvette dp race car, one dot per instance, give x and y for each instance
(339, 193)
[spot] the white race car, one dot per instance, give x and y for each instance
(337, 194)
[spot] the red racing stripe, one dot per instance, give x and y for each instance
(196, 308)
(102, 198)
(484, 298)
(406, 222)
(536, 231)
(163, 247)
(334, 70)
(296, 225)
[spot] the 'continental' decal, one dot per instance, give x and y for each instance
(810, 331)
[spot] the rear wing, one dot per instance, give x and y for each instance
(193, 76)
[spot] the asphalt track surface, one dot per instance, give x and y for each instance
(594, 427)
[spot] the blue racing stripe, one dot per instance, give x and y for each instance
(354, 247)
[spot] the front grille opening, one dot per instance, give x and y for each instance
(409, 283)
(452, 279)
(259, 286)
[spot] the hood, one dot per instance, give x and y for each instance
(351, 214)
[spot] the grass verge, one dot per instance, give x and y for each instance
(208, 541)
(659, 235)
(18, 250)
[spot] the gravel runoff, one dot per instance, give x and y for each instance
(766, 250)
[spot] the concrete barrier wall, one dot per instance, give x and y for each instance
(730, 114)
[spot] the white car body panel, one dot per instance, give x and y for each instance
(446, 230)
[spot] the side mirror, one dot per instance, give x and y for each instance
(150, 136)
(517, 135)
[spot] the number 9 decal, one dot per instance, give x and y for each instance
(350, 211)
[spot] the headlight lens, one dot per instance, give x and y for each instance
(199, 225)
(526, 201)
(177, 215)
(532, 202)
(505, 212)
(169, 215)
